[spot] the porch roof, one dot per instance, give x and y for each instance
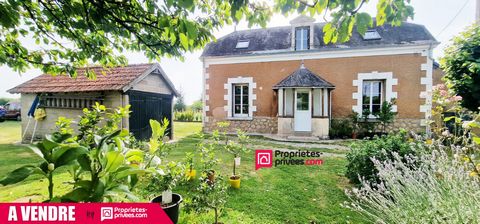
(303, 77)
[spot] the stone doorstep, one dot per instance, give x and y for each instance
(302, 138)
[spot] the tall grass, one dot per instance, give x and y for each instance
(439, 190)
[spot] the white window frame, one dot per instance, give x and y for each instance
(370, 82)
(390, 81)
(242, 94)
(307, 28)
(229, 97)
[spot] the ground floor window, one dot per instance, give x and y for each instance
(372, 96)
(240, 100)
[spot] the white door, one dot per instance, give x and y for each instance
(303, 110)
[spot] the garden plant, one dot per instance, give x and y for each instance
(96, 158)
(425, 179)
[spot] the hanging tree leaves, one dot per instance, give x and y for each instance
(74, 33)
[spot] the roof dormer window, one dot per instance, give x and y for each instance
(302, 38)
(372, 35)
(242, 44)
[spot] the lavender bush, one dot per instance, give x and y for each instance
(440, 190)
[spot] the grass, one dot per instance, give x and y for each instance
(183, 129)
(10, 132)
(283, 194)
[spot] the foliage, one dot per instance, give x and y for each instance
(340, 128)
(386, 115)
(207, 154)
(283, 204)
(460, 64)
(167, 177)
(439, 190)
(97, 158)
(180, 103)
(99, 32)
(360, 164)
(187, 116)
(210, 196)
(446, 113)
(197, 106)
(345, 14)
(55, 153)
(367, 125)
(4, 100)
(89, 124)
(454, 126)
(237, 148)
(189, 160)
(355, 121)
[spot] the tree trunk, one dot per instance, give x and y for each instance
(216, 215)
(234, 165)
(50, 186)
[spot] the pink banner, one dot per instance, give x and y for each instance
(90, 213)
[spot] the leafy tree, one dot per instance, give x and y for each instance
(461, 66)
(197, 106)
(74, 33)
(179, 103)
(3, 101)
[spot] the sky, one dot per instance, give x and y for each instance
(443, 18)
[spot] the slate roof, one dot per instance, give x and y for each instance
(116, 78)
(278, 40)
(303, 77)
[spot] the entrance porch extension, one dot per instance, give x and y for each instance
(304, 105)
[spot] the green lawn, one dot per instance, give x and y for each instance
(285, 194)
(183, 129)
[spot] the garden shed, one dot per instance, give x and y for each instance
(144, 86)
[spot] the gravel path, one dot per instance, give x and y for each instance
(305, 145)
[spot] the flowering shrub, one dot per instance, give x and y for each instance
(446, 112)
(437, 190)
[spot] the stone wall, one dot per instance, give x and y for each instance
(407, 124)
(399, 123)
(257, 125)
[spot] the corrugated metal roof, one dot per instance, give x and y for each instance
(107, 79)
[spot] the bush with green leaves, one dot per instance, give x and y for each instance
(432, 188)
(209, 196)
(340, 128)
(460, 64)
(102, 165)
(360, 164)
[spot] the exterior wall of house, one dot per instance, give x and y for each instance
(409, 70)
(153, 83)
(46, 126)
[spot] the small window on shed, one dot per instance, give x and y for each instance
(242, 44)
(372, 35)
